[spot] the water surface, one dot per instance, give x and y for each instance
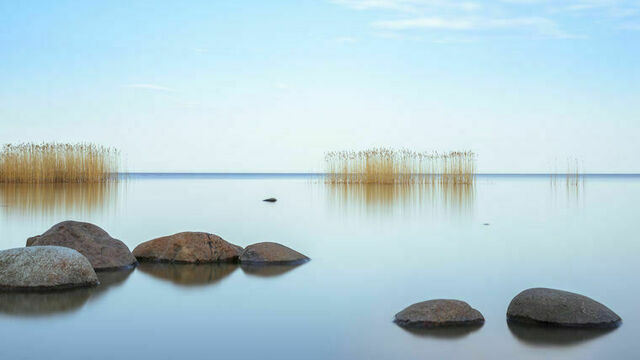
(374, 250)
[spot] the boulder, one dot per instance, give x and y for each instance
(188, 247)
(44, 268)
(439, 313)
(271, 253)
(103, 251)
(560, 308)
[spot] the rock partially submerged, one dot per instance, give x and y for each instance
(271, 253)
(41, 268)
(188, 247)
(439, 313)
(103, 251)
(270, 200)
(560, 308)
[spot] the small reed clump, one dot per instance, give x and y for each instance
(388, 166)
(574, 175)
(58, 163)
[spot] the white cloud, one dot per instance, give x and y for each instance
(408, 5)
(539, 26)
(546, 18)
(150, 87)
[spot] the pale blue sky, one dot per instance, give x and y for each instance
(270, 86)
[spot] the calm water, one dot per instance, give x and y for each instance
(374, 250)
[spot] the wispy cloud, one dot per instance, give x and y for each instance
(543, 18)
(631, 26)
(539, 26)
(346, 40)
(150, 87)
(408, 5)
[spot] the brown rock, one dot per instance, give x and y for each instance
(271, 253)
(439, 313)
(103, 251)
(188, 247)
(44, 268)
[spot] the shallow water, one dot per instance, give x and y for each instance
(374, 250)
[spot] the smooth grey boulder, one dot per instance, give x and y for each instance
(439, 313)
(271, 253)
(560, 308)
(44, 268)
(103, 251)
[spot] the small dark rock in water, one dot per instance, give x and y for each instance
(560, 308)
(270, 200)
(103, 251)
(486, 224)
(439, 313)
(271, 253)
(44, 268)
(188, 247)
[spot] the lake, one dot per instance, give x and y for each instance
(374, 250)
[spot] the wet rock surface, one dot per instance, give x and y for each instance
(103, 251)
(271, 253)
(43, 268)
(188, 247)
(544, 306)
(439, 313)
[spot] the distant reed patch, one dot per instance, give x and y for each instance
(389, 166)
(58, 163)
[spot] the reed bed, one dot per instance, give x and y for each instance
(388, 166)
(58, 163)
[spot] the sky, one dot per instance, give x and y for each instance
(271, 86)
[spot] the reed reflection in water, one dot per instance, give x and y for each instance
(52, 199)
(388, 197)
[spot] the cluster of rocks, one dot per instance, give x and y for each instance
(69, 254)
(537, 306)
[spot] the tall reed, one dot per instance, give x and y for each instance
(388, 166)
(58, 163)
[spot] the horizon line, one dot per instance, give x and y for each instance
(323, 173)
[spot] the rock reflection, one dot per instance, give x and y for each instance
(267, 270)
(188, 274)
(66, 301)
(535, 335)
(455, 332)
(374, 197)
(52, 199)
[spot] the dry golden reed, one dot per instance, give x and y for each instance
(388, 166)
(57, 163)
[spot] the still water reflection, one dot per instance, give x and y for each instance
(188, 274)
(389, 198)
(49, 303)
(52, 199)
(374, 250)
